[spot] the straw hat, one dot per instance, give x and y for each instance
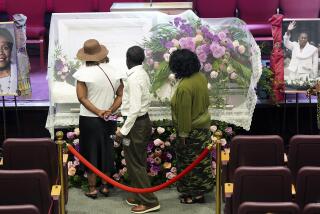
(92, 51)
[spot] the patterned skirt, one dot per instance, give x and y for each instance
(199, 180)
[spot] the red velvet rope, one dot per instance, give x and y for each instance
(133, 189)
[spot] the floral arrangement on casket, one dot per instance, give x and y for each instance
(63, 67)
(223, 54)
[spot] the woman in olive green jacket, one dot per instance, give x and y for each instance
(189, 106)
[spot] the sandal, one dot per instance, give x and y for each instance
(104, 190)
(192, 200)
(93, 194)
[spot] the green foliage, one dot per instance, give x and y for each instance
(160, 76)
(265, 83)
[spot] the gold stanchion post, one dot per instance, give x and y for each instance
(216, 141)
(60, 144)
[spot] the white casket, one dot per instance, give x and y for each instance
(118, 31)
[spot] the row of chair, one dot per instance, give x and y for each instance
(260, 160)
(28, 171)
(270, 190)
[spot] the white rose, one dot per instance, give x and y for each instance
(172, 49)
(241, 49)
(213, 128)
(172, 77)
(166, 57)
(223, 142)
(235, 43)
(214, 74)
(209, 86)
(175, 43)
(160, 130)
(233, 75)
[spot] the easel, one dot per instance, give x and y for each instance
(296, 92)
(4, 125)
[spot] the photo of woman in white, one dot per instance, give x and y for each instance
(303, 65)
(8, 69)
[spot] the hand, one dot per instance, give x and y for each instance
(100, 113)
(292, 26)
(107, 113)
(119, 136)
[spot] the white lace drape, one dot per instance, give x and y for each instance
(118, 31)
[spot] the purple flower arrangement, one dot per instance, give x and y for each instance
(223, 54)
(64, 68)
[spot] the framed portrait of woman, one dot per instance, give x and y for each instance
(301, 45)
(8, 60)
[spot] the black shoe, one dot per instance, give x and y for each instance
(104, 193)
(192, 200)
(91, 195)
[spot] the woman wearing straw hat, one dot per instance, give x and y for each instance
(99, 90)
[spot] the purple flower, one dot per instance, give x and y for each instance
(202, 56)
(207, 67)
(58, 65)
(150, 160)
(169, 44)
(204, 29)
(177, 21)
(150, 147)
(229, 130)
(217, 50)
(70, 135)
(168, 156)
(155, 169)
(186, 28)
(222, 35)
(187, 43)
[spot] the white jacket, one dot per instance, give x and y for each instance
(304, 62)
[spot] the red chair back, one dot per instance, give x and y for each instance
(19, 187)
(19, 209)
(308, 186)
(32, 153)
(261, 184)
(255, 150)
(215, 8)
(268, 207)
(312, 208)
(300, 9)
(304, 150)
(73, 6)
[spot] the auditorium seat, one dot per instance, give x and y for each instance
(72, 6)
(259, 184)
(215, 8)
(104, 5)
(304, 150)
(35, 11)
(256, 14)
(268, 207)
(312, 208)
(308, 186)
(20, 187)
(34, 153)
(255, 150)
(300, 9)
(19, 209)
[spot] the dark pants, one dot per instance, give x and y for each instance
(136, 158)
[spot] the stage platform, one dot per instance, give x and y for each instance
(285, 119)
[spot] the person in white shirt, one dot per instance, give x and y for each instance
(304, 60)
(137, 128)
(99, 91)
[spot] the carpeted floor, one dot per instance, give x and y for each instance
(115, 204)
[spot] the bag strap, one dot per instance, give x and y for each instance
(108, 79)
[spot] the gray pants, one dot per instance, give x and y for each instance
(136, 159)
